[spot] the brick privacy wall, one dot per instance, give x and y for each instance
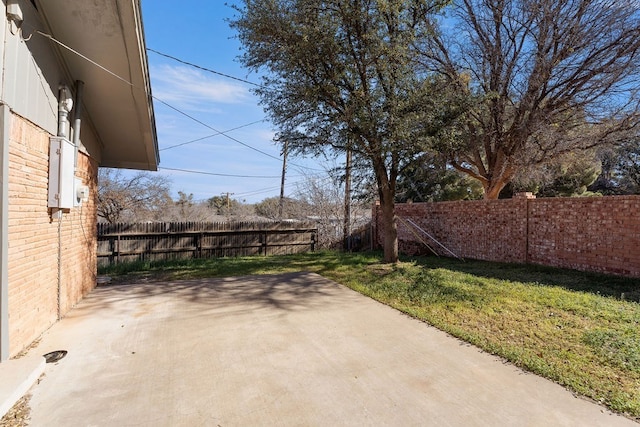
(34, 238)
(600, 234)
(498, 237)
(592, 234)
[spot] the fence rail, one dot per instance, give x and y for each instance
(119, 243)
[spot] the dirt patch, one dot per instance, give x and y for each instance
(27, 349)
(381, 269)
(137, 278)
(19, 414)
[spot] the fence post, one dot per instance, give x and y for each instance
(313, 241)
(264, 242)
(112, 249)
(118, 249)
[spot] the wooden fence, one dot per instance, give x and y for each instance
(122, 242)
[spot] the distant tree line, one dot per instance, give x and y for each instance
(146, 196)
(606, 171)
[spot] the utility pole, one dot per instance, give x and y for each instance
(347, 203)
(284, 170)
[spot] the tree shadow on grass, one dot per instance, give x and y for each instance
(431, 287)
(221, 267)
(594, 283)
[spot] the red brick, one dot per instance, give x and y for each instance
(33, 239)
(592, 234)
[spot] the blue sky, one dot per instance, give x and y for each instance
(196, 31)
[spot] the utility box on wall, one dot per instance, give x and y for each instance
(61, 173)
(81, 193)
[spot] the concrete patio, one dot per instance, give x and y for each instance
(292, 349)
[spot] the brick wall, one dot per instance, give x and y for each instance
(39, 245)
(591, 234)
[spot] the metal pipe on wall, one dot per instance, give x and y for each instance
(65, 104)
(77, 118)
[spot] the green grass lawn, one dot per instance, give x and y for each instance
(578, 329)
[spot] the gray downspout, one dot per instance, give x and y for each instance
(5, 123)
(77, 118)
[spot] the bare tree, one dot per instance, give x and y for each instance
(325, 199)
(122, 197)
(550, 76)
(185, 208)
(292, 209)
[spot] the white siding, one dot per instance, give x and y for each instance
(32, 76)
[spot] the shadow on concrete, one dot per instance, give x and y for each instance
(283, 292)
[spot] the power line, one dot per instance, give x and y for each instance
(198, 121)
(202, 68)
(218, 174)
(211, 136)
(227, 136)
(275, 188)
(50, 37)
(259, 191)
(289, 184)
(217, 132)
(246, 194)
(227, 175)
(213, 129)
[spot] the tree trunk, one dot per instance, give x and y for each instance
(492, 192)
(493, 188)
(390, 229)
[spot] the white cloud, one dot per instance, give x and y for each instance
(187, 88)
